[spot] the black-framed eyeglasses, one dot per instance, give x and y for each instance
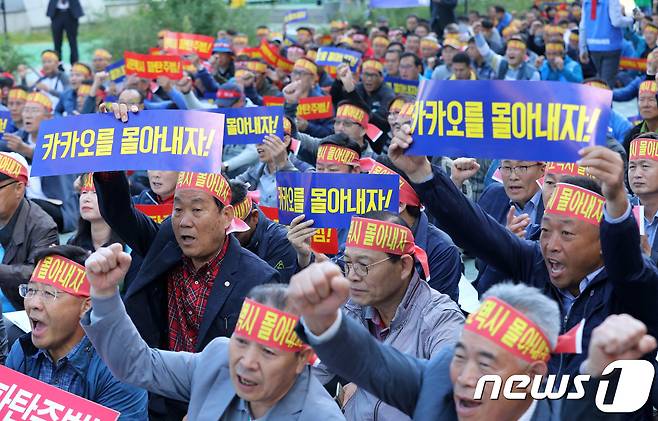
(359, 268)
(518, 170)
(8, 184)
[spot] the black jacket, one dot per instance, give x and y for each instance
(146, 297)
(74, 7)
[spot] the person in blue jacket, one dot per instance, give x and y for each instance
(591, 271)
(58, 352)
(601, 37)
(558, 66)
(265, 238)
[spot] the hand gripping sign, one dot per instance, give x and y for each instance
(512, 119)
(169, 140)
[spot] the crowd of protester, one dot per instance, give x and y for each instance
(172, 319)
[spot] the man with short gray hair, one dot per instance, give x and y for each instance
(513, 332)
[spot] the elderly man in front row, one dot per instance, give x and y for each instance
(261, 372)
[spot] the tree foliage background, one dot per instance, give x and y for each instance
(138, 31)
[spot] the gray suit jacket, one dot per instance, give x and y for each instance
(201, 378)
(419, 388)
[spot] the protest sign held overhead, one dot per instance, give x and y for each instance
(153, 66)
(329, 56)
(117, 71)
(181, 43)
(331, 199)
(512, 120)
(251, 124)
(295, 16)
(166, 140)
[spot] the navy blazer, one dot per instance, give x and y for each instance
(74, 7)
(627, 284)
(270, 243)
(146, 298)
(419, 388)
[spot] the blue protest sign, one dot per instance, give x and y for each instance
(331, 56)
(525, 120)
(401, 86)
(295, 16)
(117, 71)
(6, 125)
(332, 199)
(251, 124)
(177, 140)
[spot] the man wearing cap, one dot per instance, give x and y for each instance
(580, 258)
(261, 372)
(53, 193)
(194, 275)
(53, 81)
(265, 238)
(558, 66)
(236, 158)
(371, 91)
(513, 65)
(68, 101)
(388, 297)
(221, 61)
(25, 228)
(304, 84)
(56, 351)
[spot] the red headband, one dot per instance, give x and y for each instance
(576, 202)
(13, 168)
(87, 182)
(510, 329)
(353, 113)
(334, 154)
(63, 274)
(643, 148)
(407, 193)
(387, 237)
(268, 326)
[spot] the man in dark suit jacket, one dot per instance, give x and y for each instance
(590, 271)
(64, 16)
(181, 300)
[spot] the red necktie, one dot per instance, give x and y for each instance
(593, 11)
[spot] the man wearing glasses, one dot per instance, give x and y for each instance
(389, 298)
(57, 351)
(515, 202)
